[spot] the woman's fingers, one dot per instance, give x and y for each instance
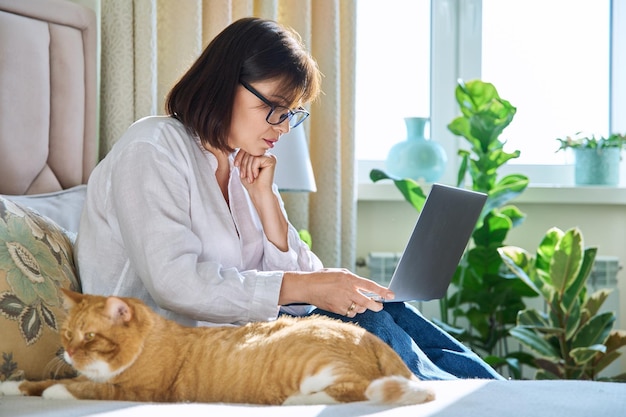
(252, 167)
(373, 290)
(246, 166)
(358, 294)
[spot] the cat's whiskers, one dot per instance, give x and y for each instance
(58, 367)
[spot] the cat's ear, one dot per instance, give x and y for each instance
(118, 310)
(70, 298)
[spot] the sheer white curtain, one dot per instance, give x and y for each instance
(147, 44)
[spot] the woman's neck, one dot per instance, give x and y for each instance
(222, 173)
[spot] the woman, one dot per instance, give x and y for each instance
(183, 213)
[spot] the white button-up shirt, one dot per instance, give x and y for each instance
(155, 226)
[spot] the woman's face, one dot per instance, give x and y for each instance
(249, 130)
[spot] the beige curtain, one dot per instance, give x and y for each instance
(147, 44)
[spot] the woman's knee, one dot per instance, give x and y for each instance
(379, 323)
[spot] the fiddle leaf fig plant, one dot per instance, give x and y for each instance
(482, 292)
(573, 339)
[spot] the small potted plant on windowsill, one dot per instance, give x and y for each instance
(597, 159)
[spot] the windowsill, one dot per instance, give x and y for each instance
(534, 194)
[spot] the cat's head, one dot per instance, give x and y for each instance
(102, 336)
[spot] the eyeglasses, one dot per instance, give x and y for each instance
(279, 114)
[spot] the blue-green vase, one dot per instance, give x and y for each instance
(416, 157)
(597, 166)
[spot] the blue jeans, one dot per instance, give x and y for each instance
(430, 352)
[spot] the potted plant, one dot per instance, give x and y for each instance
(596, 159)
(573, 338)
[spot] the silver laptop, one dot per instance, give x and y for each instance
(436, 244)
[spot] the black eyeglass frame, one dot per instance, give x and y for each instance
(289, 114)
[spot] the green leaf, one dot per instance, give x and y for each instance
(616, 340)
(520, 263)
(461, 127)
(575, 288)
(377, 175)
(605, 360)
(573, 321)
(514, 214)
(412, 193)
(534, 341)
(305, 236)
(546, 375)
(409, 188)
(566, 260)
(583, 355)
(479, 322)
(506, 190)
(493, 230)
(546, 249)
(525, 358)
(595, 301)
(550, 369)
(534, 319)
(595, 331)
(474, 95)
(513, 364)
(460, 180)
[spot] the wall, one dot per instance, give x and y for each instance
(385, 222)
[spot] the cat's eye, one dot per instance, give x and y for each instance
(89, 336)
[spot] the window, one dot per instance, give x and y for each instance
(550, 59)
(557, 61)
(392, 71)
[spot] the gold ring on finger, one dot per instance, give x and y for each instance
(351, 308)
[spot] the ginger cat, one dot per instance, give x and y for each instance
(125, 351)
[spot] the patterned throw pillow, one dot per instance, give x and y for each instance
(36, 260)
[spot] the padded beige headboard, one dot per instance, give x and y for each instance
(48, 133)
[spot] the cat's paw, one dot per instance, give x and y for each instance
(398, 390)
(57, 392)
(10, 388)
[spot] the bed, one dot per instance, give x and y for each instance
(48, 147)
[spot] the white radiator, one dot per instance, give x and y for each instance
(382, 265)
(604, 275)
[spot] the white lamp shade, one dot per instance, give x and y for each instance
(294, 171)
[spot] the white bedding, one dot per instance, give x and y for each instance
(466, 398)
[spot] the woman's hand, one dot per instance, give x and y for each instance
(256, 172)
(334, 289)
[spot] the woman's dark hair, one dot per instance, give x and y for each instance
(249, 49)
